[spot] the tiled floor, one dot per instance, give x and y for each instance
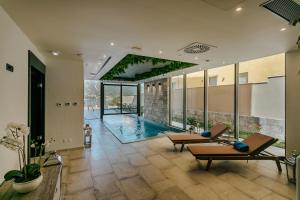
(152, 170)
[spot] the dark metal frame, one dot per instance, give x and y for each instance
(121, 99)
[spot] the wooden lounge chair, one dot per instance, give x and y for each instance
(257, 144)
(187, 138)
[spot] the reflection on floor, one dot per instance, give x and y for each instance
(152, 170)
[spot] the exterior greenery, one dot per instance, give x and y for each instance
(131, 59)
(191, 120)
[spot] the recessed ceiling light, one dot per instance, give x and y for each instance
(104, 56)
(55, 53)
(283, 29)
(196, 58)
(239, 9)
(99, 63)
(112, 44)
(160, 51)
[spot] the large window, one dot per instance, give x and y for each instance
(91, 99)
(262, 97)
(195, 100)
(129, 99)
(177, 101)
(112, 99)
(120, 99)
(221, 97)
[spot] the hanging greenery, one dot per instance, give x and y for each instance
(132, 59)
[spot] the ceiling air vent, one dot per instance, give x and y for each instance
(287, 9)
(196, 47)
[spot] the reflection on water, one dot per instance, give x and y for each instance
(131, 128)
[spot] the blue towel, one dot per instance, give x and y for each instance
(240, 146)
(205, 134)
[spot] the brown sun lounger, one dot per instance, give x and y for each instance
(257, 144)
(187, 138)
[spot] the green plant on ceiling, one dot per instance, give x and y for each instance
(131, 59)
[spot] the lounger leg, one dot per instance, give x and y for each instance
(175, 147)
(182, 146)
(208, 164)
(278, 164)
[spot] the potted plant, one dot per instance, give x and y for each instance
(29, 176)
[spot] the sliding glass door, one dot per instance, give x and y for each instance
(120, 99)
(112, 99)
(177, 101)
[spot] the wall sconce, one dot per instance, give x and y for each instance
(153, 88)
(159, 87)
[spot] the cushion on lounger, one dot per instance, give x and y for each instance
(240, 146)
(206, 134)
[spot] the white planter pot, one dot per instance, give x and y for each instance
(28, 186)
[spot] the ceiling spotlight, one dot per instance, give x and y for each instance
(196, 58)
(283, 29)
(99, 63)
(112, 44)
(104, 56)
(55, 53)
(239, 9)
(160, 51)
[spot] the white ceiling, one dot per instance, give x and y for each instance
(87, 27)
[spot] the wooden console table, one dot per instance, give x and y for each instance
(48, 190)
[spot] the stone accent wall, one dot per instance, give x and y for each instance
(156, 101)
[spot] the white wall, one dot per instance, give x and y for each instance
(293, 101)
(64, 83)
(14, 46)
(268, 99)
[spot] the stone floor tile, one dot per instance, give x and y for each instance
(288, 191)
(173, 193)
(79, 165)
(253, 190)
(124, 170)
(151, 174)
(137, 159)
(179, 177)
(160, 162)
(137, 189)
(106, 186)
(79, 181)
(85, 194)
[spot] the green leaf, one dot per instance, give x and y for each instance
(33, 170)
(13, 174)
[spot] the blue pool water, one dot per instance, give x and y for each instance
(130, 128)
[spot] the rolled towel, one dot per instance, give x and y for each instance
(206, 134)
(240, 146)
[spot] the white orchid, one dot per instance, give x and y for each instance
(12, 125)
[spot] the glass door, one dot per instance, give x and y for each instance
(112, 99)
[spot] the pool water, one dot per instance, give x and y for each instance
(131, 128)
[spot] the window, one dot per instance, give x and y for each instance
(195, 100)
(177, 101)
(262, 100)
(221, 96)
(91, 99)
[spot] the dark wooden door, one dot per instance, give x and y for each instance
(36, 100)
